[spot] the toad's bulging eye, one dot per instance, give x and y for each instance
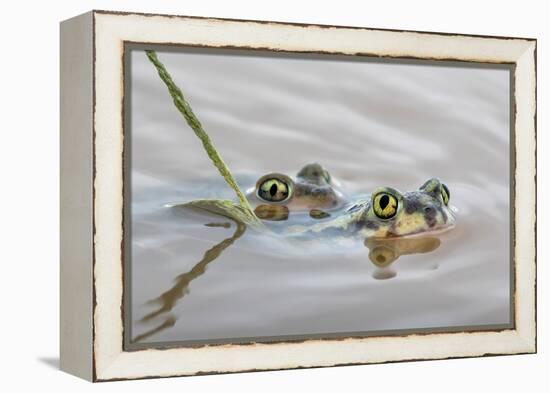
(274, 190)
(445, 194)
(384, 205)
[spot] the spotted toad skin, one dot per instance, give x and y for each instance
(425, 210)
(418, 212)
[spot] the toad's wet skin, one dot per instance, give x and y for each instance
(388, 212)
(385, 213)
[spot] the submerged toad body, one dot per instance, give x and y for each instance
(387, 213)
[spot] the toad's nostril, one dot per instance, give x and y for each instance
(428, 209)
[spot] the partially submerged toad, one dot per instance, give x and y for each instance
(387, 213)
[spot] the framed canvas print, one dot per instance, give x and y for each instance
(245, 195)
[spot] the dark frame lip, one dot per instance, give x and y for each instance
(94, 174)
(299, 339)
(462, 62)
(128, 46)
(304, 24)
(94, 12)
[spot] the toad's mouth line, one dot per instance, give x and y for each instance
(421, 233)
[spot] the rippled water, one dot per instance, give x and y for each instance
(370, 124)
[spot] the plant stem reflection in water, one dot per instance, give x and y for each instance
(168, 299)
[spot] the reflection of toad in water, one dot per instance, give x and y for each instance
(383, 252)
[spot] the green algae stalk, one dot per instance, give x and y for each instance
(245, 213)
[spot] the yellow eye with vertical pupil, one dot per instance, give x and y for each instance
(384, 205)
(273, 190)
(445, 194)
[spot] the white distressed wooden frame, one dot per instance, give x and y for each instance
(92, 195)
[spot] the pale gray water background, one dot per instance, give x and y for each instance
(370, 124)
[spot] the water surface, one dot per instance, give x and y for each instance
(370, 124)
